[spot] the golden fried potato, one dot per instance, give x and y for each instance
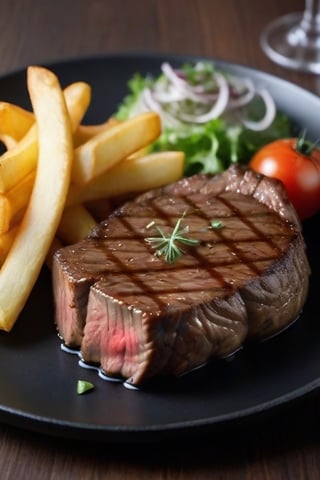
(131, 175)
(75, 224)
(20, 160)
(40, 222)
(14, 123)
(5, 214)
(84, 133)
(58, 177)
(78, 97)
(20, 194)
(114, 144)
(6, 240)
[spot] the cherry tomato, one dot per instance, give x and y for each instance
(297, 168)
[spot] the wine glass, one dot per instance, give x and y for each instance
(293, 40)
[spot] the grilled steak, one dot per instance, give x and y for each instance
(139, 316)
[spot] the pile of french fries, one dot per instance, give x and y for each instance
(54, 173)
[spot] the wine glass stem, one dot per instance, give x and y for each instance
(311, 16)
(293, 40)
(306, 33)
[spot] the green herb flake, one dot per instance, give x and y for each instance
(84, 386)
(216, 224)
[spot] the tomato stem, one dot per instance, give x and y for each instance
(304, 146)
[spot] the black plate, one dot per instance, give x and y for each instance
(38, 381)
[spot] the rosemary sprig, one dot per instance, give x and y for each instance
(166, 244)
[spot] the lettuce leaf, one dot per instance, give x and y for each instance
(211, 147)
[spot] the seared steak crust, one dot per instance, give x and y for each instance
(138, 316)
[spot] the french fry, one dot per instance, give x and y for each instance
(5, 214)
(19, 161)
(84, 133)
(14, 123)
(131, 175)
(37, 229)
(17, 218)
(6, 241)
(8, 142)
(77, 96)
(113, 145)
(75, 224)
(19, 196)
(140, 153)
(40, 209)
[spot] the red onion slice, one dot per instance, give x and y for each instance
(150, 101)
(171, 75)
(184, 87)
(217, 109)
(244, 98)
(169, 96)
(151, 104)
(270, 113)
(174, 88)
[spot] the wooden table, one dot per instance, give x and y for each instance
(42, 31)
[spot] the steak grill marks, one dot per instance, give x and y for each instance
(139, 316)
(200, 259)
(259, 235)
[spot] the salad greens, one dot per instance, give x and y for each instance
(209, 147)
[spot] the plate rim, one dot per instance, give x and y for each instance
(249, 412)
